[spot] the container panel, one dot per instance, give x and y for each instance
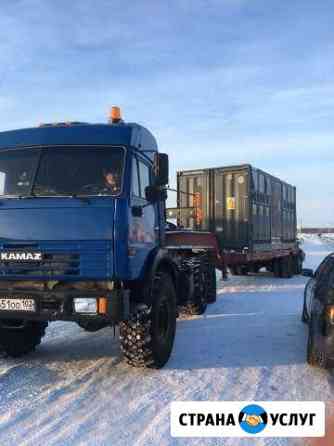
(276, 211)
(232, 207)
(244, 206)
(261, 199)
(193, 192)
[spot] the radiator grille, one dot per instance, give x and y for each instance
(60, 260)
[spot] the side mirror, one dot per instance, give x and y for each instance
(161, 168)
(154, 194)
(308, 272)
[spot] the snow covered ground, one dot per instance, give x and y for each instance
(250, 345)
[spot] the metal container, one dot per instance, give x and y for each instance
(247, 208)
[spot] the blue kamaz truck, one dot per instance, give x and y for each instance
(83, 237)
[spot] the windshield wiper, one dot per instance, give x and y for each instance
(79, 197)
(27, 197)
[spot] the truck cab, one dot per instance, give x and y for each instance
(82, 229)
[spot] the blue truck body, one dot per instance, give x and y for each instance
(95, 230)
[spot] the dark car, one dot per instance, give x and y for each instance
(318, 313)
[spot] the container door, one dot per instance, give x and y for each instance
(276, 212)
(193, 200)
(232, 208)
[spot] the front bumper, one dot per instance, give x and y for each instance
(59, 305)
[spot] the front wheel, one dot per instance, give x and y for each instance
(316, 356)
(311, 354)
(19, 337)
(308, 293)
(147, 338)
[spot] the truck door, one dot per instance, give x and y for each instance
(143, 236)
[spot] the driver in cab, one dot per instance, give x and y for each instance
(111, 181)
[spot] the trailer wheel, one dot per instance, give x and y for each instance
(283, 267)
(277, 267)
(147, 338)
(234, 270)
(298, 265)
(19, 337)
(239, 270)
(244, 270)
(212, 284)
(197, 298)
(288, 267)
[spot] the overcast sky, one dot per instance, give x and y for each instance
(218, 82)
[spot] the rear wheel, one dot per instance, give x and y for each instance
(19, 337)
(234, 270)
(297, 264)
(286, 267)
(211, 280)
(197, 299)
(244, 270)
(255, 269)
(277, 267)
(147, 338)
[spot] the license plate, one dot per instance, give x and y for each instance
(8, 304)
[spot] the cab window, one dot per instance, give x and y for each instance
(145, 178)
(135, 178)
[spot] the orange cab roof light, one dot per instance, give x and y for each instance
(115, 115)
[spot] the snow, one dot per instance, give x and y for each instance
(250, 345)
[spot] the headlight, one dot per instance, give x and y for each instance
(330, 314)
(85, 305)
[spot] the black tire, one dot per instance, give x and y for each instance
(244, 270)
(234, 270)
(19, 337)
(323, 360)
(298, 265)
(277, 268)
(291, 266)
(211, 284)
(239, 270)
(197, 299)
(316, 357)
(311, 354)
(286, 267)
(147, 338)
(305, 315)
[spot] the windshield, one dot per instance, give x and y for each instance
(58, 171)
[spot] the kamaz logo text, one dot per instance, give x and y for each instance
(21, 256)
